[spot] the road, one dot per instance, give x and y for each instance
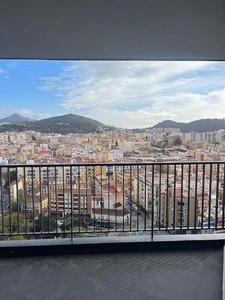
(4, 202)
(137, 220)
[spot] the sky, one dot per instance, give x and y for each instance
(127, 94)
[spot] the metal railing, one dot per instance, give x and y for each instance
(76, 200)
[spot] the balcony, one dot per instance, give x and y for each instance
(127, 224)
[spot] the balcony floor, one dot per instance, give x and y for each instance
(150, 275)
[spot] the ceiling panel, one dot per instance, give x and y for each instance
(113, 29)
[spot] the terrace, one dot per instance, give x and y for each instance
(140, 208)
(188, 266)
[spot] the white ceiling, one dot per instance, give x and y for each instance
(112, 29)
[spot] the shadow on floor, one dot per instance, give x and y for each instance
(165, 275)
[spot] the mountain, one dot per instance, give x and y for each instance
(64, 124)
(71, 123)
(202, 125)
(15, 118)
(68, 124)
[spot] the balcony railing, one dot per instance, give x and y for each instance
(77, 200)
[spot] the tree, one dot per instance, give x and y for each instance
(78, 222)
(45, 224)
(16, 222)
(177, 142)
(14, 207)
(21, 199)
(3, 229)
(18, 238)
(18, 206)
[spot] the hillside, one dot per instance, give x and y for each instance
(71, 123)
(67, 124)
(15, 118)
(61, 124)
(202, 125)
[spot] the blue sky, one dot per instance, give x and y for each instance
(121, 93)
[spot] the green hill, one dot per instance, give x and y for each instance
(202, 125)
(64, 124)
(71, 123)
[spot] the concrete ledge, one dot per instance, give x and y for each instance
(110, 245)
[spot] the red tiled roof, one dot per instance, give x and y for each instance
(44, 152)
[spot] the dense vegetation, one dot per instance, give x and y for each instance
(61, 124)
(202, 125)
(71, 123)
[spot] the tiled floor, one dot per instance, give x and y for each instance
(165, 275)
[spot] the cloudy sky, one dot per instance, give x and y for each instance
(129, 94)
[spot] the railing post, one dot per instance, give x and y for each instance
(153, 194)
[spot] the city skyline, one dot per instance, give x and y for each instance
(128, 94)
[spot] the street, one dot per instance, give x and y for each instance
(4, 203)
(137, 219)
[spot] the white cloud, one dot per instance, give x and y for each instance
(13, 64)
(128, 118)
(3, 71)
(138, 94)
(181, 107)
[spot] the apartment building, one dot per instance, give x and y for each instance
(66, 200)
(36, 205)
(15, 187)
(177, 209)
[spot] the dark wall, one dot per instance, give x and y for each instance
(112, 29)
